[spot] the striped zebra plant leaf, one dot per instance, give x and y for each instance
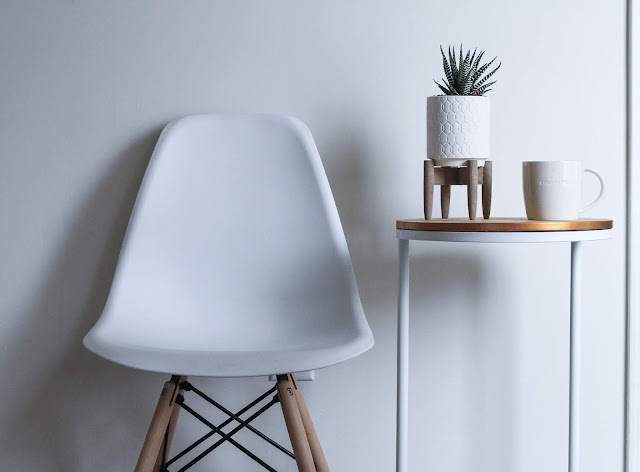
(444, 88)
(487, 77)
(484, 88)
(454, 66)
(467, 75)
(482, 69)
(447, 70)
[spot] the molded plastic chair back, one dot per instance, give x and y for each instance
(234, 262)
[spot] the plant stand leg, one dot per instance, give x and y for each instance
(173, 423)
(314, 442)
(155, 434)
(428, 188)
(445, 200)
(487, 182)
(295, 426)
(472, 189)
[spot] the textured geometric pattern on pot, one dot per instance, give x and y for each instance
(458, 127)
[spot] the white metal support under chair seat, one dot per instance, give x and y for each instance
(234, 264)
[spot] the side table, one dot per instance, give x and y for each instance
(494, 230)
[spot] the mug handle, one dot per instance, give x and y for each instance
(593, 203)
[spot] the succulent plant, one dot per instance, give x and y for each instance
(465, 77)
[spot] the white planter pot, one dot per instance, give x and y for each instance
(457, 129)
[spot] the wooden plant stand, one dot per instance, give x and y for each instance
(470, 175)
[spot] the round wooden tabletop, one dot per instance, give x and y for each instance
(502, 225)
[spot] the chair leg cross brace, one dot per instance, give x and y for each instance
(226, 437)
(308, 452)
(228, 421)
(189, 387)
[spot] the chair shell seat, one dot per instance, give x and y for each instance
(211, 363)
(234, 262)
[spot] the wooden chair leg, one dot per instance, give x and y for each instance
(173, 423)
(295, 426)
(155, 434)
(310, 430)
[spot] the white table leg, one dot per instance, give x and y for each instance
(574, 385)
(402, 419)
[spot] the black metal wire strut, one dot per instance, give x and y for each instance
(187, 386)
(225, 437)
(222, 425)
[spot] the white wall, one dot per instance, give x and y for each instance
(85, 88)
(633, 233)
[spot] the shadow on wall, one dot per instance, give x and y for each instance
(461, 343)
(462, 383)
(469, 345)
(346, 164)
(67, 400)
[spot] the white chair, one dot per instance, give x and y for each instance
(234, 264)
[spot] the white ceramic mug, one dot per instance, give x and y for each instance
(553, 189)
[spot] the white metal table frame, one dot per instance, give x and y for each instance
(575, 237)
